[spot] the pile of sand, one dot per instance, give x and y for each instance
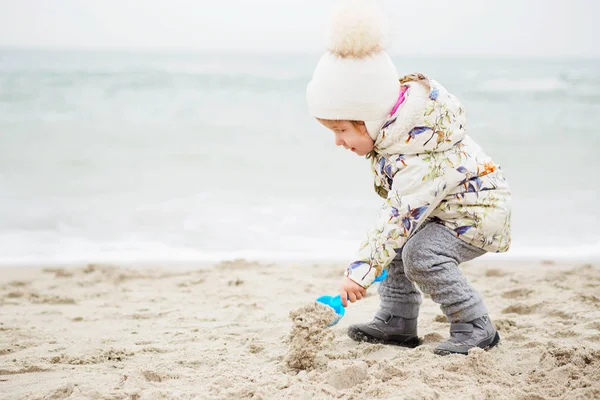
(308, 334)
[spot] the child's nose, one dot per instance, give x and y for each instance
(339, 141)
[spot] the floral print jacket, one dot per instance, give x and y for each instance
(425, 166)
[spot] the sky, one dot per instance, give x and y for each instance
(418, 27)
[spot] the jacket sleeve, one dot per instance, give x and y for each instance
(417, 189)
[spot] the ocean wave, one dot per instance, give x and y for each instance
(20, 86)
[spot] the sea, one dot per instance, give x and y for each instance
(174, 157)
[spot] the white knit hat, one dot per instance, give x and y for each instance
(355, 79)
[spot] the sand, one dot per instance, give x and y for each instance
(225, 331)
(309, 333)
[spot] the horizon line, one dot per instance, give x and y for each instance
(231, 51)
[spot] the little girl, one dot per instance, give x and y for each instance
(446, 201)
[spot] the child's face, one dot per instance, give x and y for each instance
(352, 137)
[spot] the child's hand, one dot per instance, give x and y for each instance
(350, 290)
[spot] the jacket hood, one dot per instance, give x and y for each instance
(429, 120)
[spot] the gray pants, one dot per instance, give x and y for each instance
(430, 258)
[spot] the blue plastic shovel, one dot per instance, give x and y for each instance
(335, 302)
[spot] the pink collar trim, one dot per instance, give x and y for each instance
(401, 99)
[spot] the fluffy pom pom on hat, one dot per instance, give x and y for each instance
(355, 79)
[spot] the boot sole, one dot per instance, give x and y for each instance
(494, 343)
(360, 336)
